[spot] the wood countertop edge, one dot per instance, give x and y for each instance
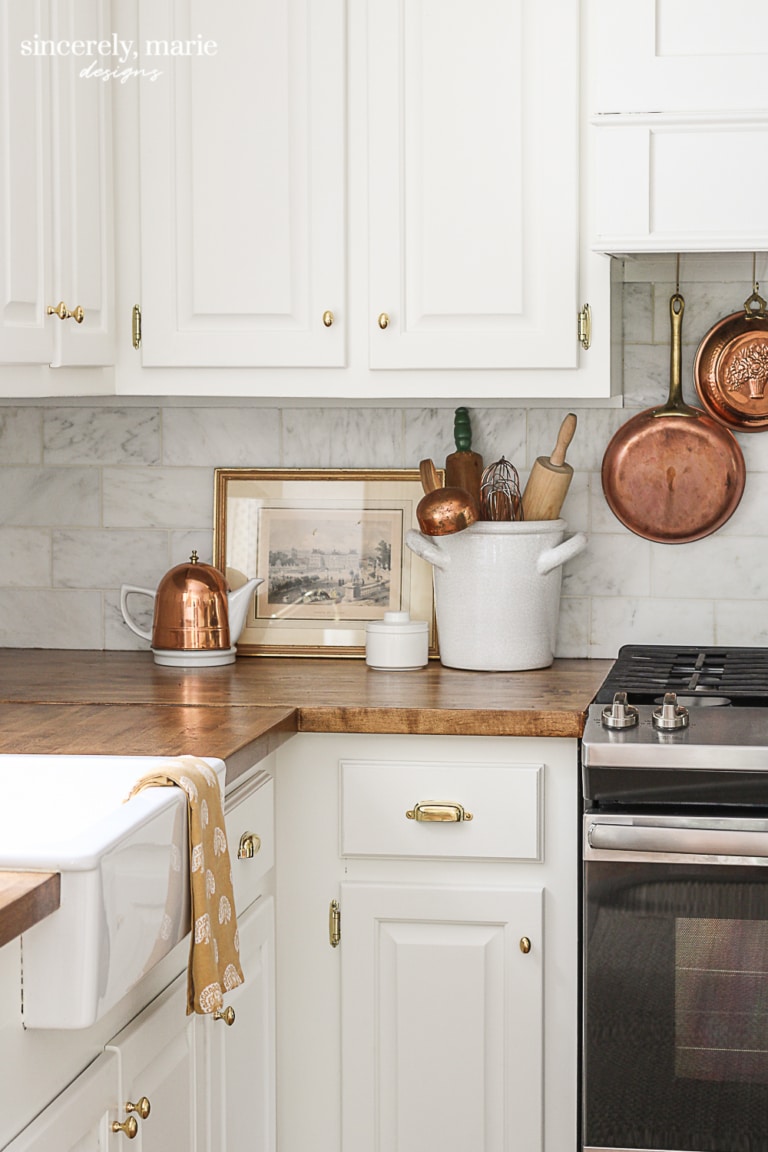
(26, 898)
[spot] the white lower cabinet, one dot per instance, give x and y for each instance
(446, 1014)
(78, 1120)
(442, 1017)
(241, 1058)
(166, 1081)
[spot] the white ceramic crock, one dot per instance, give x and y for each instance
(497, 591)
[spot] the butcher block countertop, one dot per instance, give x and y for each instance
(57, 701)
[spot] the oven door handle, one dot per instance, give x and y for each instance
(686, 841)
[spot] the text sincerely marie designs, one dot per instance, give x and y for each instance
(120, 52)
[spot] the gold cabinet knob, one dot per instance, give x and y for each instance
(142, 1107)
(328, 318)
(525, 945)
(383, 320)
(434, 811)
(226, 1014)
(249, 845)
(129, 1127)
(64, 313)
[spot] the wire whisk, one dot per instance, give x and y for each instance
(500, 497)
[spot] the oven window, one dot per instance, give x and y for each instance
(675, 1034)
(721, 999)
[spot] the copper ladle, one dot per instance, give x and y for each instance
(442, 511)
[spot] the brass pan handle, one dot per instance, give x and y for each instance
(438, 811)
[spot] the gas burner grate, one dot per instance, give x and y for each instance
(647, 672)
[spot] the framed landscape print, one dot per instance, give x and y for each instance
(329, 546)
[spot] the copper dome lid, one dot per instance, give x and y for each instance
(191, 609)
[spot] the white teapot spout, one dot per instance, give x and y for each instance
(237, 606)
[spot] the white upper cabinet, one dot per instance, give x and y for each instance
(56, 239)
(678, 56)
(242, 184)
(679, 125)
(372, 189)
(473, 184)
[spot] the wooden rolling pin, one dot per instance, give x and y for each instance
(464, 468)
(550, 477)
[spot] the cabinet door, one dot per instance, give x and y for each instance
(79, 1119)
(473, 184)
(158, 1060)
(83, 237)
(26, 332)
(442, 1018)
(242, 184)
(56, 239)
(675, 56)
(242, 1057)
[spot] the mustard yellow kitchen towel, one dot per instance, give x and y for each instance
(214, 955)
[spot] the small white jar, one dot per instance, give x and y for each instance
(396, 643)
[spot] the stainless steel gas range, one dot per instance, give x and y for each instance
(675, 903)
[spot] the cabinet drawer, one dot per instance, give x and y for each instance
(501, 805)
(250, 817)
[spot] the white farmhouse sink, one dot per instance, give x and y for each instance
(124, 877)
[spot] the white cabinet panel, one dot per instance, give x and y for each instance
(56, 213)
(78, 1120)
(677, 55)
(502, 806)
(242, 1057)
(26, 333)
(442, 1018)
(242, 185)
(668, 185)
(473, 184)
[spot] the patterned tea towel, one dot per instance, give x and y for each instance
(214, 954)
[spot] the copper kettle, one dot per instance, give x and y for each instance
(195, 612)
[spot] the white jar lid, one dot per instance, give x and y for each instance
(397, 624)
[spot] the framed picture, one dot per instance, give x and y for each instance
(330, 548)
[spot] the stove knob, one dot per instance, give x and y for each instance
(670, 715)
(620, 714)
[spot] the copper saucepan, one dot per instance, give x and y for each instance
(731, 368)
(673, 474)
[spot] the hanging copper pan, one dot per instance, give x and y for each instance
(673, 474)
(731, 368)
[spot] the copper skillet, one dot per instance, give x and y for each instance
(731, 368)
(673, 474)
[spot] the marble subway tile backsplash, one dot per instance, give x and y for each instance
(96, 494)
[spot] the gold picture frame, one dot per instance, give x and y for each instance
(329, 545)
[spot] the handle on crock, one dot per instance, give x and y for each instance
(550, 559)
(125, 592)
(425, 547)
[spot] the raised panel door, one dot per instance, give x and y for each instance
(242, 1057)
(26, 332)
(79, 1119)
(676, 56)
(442, 1018)
(473, 184)
(242, 184)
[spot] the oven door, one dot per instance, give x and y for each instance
(675, 1025)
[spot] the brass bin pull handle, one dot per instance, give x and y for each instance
(249, 845)
(439, 811)
(64, 313)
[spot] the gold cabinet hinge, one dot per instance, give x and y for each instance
(334, 923)
(585, 327)
(136, 326)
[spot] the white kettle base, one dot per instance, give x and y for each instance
(208, 658)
